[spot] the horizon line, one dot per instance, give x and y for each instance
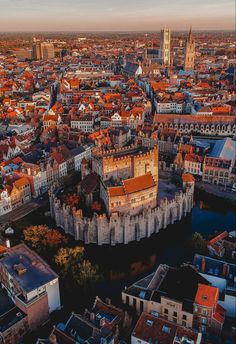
(116, 31)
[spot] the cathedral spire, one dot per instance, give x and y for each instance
(190, 32)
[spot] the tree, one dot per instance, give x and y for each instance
(42, 238)
(199, 244)
(72, 200)
(73, 266)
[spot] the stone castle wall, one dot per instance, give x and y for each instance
(121, 228)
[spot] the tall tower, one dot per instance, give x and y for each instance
(36, 49)
(189, 52)
(165, 46)
(47, 51)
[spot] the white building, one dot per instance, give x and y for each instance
(116, 119)
(83, 123)
(193, 164)
(5, 202)
(169, 107)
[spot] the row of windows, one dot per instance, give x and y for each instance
(175, 314)
(216, 173)
(133, 200)
(184, 323)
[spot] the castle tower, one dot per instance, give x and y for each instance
(165, 46)
(189, 52)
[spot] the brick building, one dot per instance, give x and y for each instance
(31, 284)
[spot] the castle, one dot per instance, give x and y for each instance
(127, 182)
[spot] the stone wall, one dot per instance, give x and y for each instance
(126, 165)
(121, 228)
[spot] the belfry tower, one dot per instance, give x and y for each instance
(165, 46)
(189, 52)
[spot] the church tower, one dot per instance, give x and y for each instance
(189, 52)
(165, 46)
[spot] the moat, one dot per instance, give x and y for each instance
(124, 264)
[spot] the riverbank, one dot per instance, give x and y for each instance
(217, 191)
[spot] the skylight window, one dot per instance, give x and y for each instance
(142, 294)
(149, 322)
(166, 329)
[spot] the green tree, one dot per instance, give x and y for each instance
(199, 244)
(73, 265)
(41, 238)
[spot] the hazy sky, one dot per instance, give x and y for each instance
(92, 15)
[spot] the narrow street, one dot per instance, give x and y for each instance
(24, 210)
(218, 191)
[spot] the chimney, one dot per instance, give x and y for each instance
(92, 316)
(203, 265)
(108, 301)
(52, 339)
(225, 270)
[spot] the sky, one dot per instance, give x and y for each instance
(115, 15)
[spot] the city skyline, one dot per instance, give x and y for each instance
(105, 15)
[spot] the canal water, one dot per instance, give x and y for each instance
(123, 264)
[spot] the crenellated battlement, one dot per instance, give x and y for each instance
(106, 153)
(121, 227)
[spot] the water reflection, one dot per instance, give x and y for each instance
(169, 246)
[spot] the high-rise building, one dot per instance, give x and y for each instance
(42, 50)
(189, 52)
(165, 46)
(47, 51)
(36, 49)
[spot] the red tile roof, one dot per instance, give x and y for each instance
(139, 183)
(206, 296)
(193, 158)
(188, 177)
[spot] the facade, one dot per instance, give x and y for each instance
(165, 46)
(189, 53)
(204, 125)
(5, 202)
(13, 322)
(220, 166)
(31, 284)
(176, 294)
(169, 107)
(84, 123)
(125, 163)
(21, 192)
(42, 50)
(209, 316)
(47, 51)
(133, 195)
(193, 164)
(37, 178)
